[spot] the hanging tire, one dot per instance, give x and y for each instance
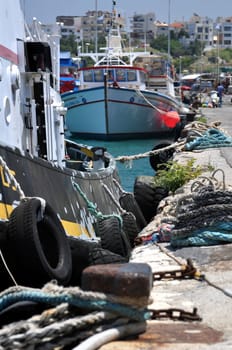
(3, 232)
(113, 238)
(158, 161)
(130, 227)
(99, 256)
(80, 250)
(148, 196)
(39, 249)
(129, 203)
(5, 278)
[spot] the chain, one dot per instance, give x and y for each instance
(175, 314)
(185, 271)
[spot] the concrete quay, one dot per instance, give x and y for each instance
(211, 297)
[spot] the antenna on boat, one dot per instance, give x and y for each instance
(96, 34)
(113, 11)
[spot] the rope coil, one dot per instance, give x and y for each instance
(63, 324)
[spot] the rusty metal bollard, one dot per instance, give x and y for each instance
(131, 280)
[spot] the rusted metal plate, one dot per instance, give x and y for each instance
(169, 336)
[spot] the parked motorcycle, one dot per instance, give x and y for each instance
(214, 98)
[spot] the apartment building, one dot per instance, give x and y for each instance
(142, 27)
(145, 27)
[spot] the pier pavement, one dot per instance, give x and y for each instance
(212, 297)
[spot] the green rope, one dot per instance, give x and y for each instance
(212, 138)
(220, 232)
(93, 207)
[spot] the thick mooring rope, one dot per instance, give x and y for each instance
(77, 315)
(210, 139)
(200, 215)
(204, 135)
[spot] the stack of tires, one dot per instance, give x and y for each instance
(36, 249)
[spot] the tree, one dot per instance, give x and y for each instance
(69, 44)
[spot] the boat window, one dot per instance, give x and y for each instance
(120, 74)
(98, 75)
(131, 75)
(38, 57)
(110, 75)
(88, 75)
(142, 76)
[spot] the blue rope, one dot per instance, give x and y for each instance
(220, 232)
(212, 138)
(41, 297)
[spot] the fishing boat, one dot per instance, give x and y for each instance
(36, 161)
(161, 73)
(112, 101)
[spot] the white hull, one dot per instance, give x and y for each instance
(118, 113)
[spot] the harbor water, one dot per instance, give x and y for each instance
(128, 172)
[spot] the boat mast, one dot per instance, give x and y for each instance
(96, 34)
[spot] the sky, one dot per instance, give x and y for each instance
(47, 10)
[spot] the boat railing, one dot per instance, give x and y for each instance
(83, 158)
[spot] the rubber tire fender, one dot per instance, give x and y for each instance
(158, 161)
(80, 250)
(100, 256)
(39, 247)
(113, 238)
(130, 227)
(148, 196)
(128, 202)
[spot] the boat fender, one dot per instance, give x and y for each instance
(3, 231)
(148, 196)
(80, 250)
(14, 76)
(38, 246)
(130, 227)
(113, 238)
(129, 203)
(161, 157)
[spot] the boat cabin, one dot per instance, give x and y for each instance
(115, 76)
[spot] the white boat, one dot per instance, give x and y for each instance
(160, 73)
(112, 101)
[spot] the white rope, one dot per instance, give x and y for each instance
(120, 332)
(7, 268)
(12, 178)
(177, 145)
(149, 103)
(197, 127)
(122, 211)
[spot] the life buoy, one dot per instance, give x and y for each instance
(38, 250)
